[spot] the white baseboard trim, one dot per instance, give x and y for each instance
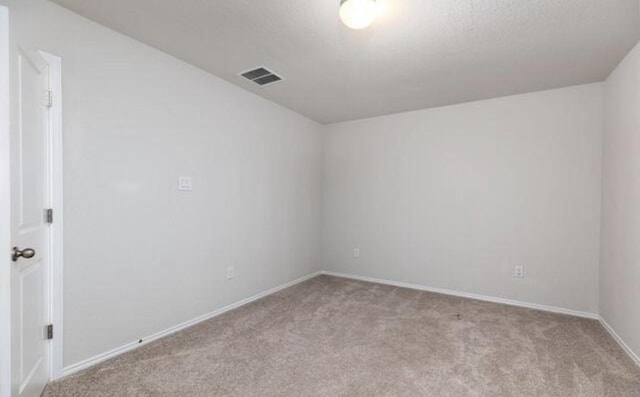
(618, 339)
(71, 369)
(133, 345)
(485, 298)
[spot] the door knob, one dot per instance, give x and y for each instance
(25, 253)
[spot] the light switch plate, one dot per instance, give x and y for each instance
(184, 183)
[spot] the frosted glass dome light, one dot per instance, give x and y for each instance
(358, 14)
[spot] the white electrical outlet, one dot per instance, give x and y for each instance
(184, 183)
(356, 252)
(230, 272)
(518, 271)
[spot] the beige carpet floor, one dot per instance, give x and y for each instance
(337, 337)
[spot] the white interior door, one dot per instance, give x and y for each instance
(30, 198)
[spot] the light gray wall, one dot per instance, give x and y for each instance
(140, 256)
(454, 197)
(620, 262)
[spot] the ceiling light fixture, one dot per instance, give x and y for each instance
(358, 14)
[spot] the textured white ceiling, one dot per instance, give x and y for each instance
(422, 53)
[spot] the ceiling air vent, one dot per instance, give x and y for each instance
(261, 76)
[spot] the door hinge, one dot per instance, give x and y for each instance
(50, 331)
(49, 215)
(49, 99)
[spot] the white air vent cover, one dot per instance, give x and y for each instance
(261, 76)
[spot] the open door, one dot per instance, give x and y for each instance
(30, 225)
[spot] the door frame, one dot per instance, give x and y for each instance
(5, 209)
(55, 309)
(56, 254)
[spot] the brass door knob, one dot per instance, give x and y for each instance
(25, 253)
